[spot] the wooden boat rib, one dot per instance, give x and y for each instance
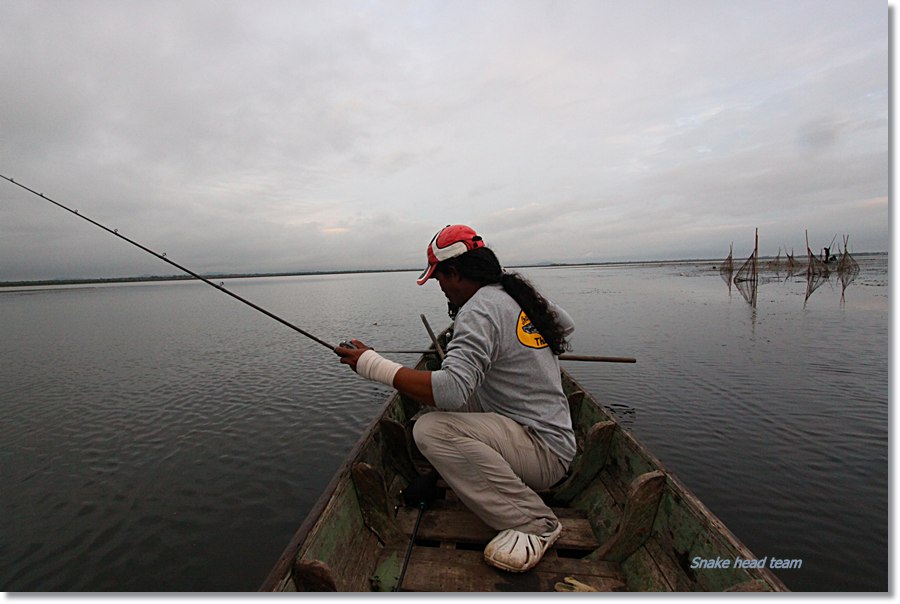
(628, 524)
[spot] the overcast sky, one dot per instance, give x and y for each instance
(275, 136)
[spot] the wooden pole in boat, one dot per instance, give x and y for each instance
(434, 340)
(596, 359)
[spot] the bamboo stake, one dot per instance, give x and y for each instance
(434, 340)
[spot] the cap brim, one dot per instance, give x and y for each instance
(426, 274)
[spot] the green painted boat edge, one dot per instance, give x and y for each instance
(697, 532)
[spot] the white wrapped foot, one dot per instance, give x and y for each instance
(516, 551)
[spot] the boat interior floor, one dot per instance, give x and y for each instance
(447, 555)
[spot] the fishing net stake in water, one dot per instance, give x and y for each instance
(816, 271)
(727, 268)
(847, 268)
(747, 278)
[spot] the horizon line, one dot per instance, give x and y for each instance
(245, 275)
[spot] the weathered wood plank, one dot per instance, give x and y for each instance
(330, 537)
(636, 525)
(575, 398)
(753, 585)
(363, 553)
(670, 567)
(589, 463)
(445, 570)
(456, 524)
(601, 509)
(396, 442)
(373, 503)
(313, 575)
(628, 459)
(341, 540)
(643, 573)
(685, 529)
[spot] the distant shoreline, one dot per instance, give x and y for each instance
(211, 277)
(215, 276)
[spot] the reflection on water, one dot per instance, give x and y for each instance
(775, 416)
(625, 414)
(164, 437)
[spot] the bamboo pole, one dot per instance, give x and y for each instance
(756, 257)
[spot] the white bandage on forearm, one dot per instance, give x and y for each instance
(375, 367)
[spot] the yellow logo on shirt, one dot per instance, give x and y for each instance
(528, 333)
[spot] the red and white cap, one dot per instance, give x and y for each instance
(451, 241)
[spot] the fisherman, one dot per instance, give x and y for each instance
(503, 429)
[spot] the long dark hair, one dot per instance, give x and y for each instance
(482, 266)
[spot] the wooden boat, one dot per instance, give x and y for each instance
(628, 524)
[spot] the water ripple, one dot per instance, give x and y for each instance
(159, 438)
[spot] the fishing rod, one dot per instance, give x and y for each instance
(284, 322)
(162, 257)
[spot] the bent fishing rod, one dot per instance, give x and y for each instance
(284, 322)
(162, 257)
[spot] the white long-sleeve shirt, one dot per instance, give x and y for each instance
(497, 357)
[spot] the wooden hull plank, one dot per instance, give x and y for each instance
(433, 569)
(334, 548)
(453, 523)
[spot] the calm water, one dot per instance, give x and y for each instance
(163, 437)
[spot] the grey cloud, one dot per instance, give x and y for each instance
(819, 134)
(284, 135)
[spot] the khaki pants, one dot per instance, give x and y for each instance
(494, 465)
